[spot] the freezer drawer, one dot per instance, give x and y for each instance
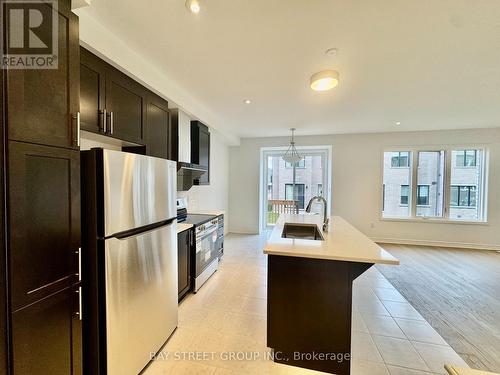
(141, 297)
(138, 190)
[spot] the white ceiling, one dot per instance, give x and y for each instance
(431, 64)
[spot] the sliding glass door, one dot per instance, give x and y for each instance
(287, 188)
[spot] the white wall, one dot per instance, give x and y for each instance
(110, 47)
(357, 185)
(216, 195)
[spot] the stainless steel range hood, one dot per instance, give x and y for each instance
(187, 173)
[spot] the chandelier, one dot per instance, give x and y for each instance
(292, 155)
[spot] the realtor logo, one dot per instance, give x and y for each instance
(31, 34)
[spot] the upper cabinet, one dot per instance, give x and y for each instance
(92, 94)
(158, 131)
(115, 105)
(43, 104)
(200, 149)
(111, 103)
(125, 107)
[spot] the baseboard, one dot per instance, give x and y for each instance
(461, 245)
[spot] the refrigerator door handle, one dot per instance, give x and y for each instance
(141, 230)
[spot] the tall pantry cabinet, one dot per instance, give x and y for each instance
(40, 317)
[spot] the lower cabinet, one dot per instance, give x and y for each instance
(46, 336)
(184, 243)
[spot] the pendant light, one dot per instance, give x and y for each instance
(292, 155)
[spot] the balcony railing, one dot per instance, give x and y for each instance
(275, 207)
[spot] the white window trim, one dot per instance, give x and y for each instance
(482, 202)
(269, 151)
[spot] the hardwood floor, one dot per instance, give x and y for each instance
(458, 293)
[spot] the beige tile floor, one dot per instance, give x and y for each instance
(228, 317)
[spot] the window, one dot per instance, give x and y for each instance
(441, 184)
(467, 199)
(400, 159)
(463, 196)
(405, 189)
(310, 181)
(300, 164)
(430, 183)
(297, 195)
(423, 195)
(466, 158)
(397, 182)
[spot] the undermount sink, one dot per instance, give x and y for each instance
(302, 231)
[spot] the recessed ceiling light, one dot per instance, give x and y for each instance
(331, 52)
(193, 5)
(325, 80)
(398, 123)
(248, 101)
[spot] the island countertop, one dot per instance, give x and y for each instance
(342, 242)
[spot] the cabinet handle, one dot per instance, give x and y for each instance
(104, 120)
(77, 118)
(79, 252)
(111, 123)
(80, 311)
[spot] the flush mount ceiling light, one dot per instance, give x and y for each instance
(292, 155)
(193, 6)
(248, 101)
(398, 123)
(325, 80)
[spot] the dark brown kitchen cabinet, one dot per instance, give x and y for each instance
(184, 244)
(44, 195)
(46, 336)
(92, 92)
(158, 132)
(43, 103)
(125, 107)
(40, 215)
(112, 103)
(200, 149)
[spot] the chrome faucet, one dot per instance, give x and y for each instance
(325, 209)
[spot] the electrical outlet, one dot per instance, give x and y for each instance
(372, 225)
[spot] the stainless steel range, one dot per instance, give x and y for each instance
(207, 249)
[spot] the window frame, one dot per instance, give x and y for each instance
(465, 159)
(401, 195)
(408, 161)
(428, 187)
(482, 188)
(469, 188)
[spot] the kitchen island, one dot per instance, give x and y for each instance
(309, 296)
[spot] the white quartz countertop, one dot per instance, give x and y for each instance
(207, 212)
(181, 227)
(342, 242)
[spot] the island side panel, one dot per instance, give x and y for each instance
(309, 311)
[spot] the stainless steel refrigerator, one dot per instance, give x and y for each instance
(129, 240)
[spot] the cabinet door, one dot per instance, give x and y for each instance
(157, 129)
(200, 150)
(92, 95)
(204, 157)
(46, 336)
(184, 256)
(126, 107)
(44, 213)
(43, 103)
